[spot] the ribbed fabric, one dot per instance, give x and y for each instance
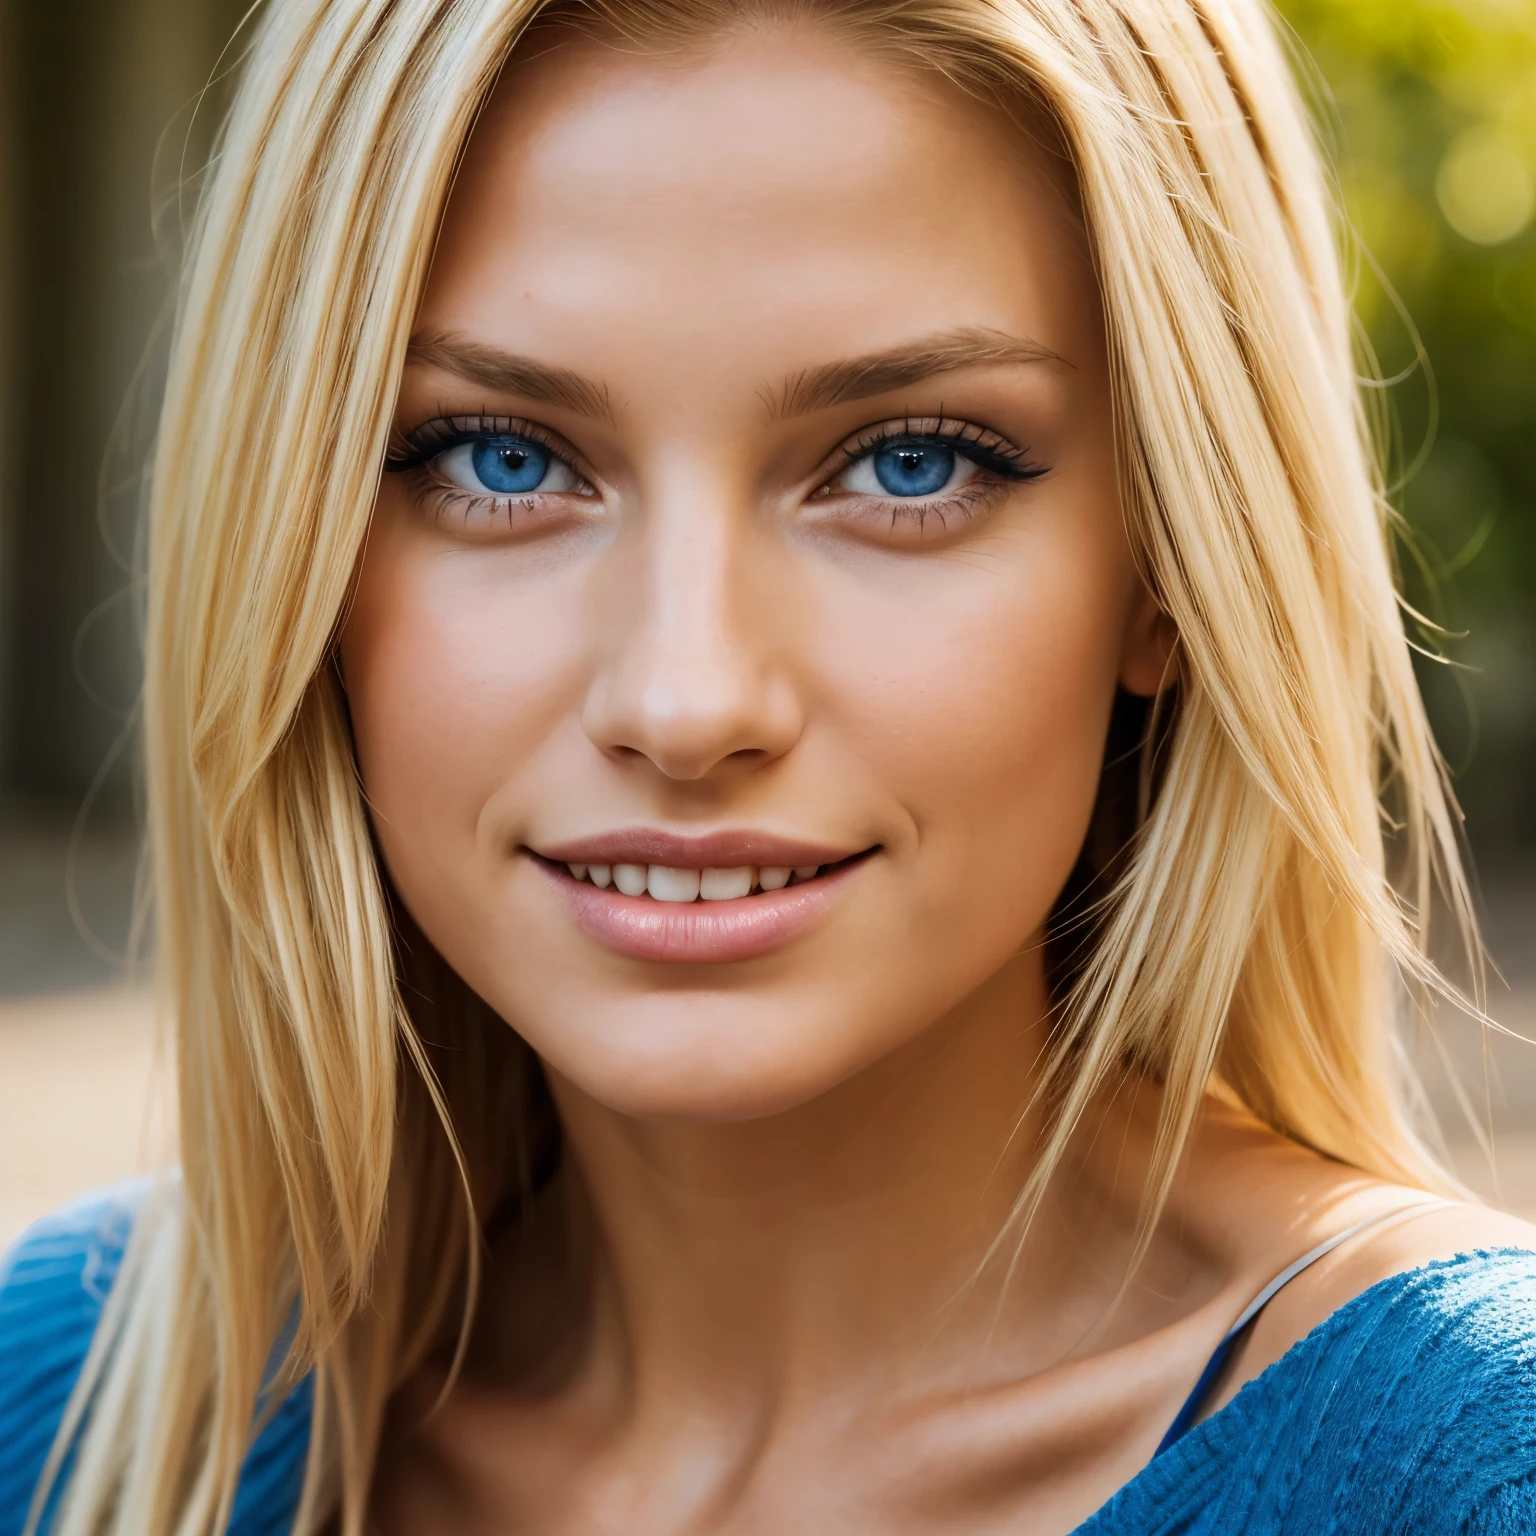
(1410, 1411)
(53, 1284)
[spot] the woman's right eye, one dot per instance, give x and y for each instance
(506, 464)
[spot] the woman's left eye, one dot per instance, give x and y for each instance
(906, 468)
(505, 465)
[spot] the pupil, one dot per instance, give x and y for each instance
(509, 466)
(914, 470)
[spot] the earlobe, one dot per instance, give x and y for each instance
(1149, 660)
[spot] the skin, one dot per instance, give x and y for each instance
(748, 1304)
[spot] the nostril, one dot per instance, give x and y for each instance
(692, 711)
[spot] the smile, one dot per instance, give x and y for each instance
(662, 882)
(654, 896)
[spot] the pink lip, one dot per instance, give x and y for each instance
(713, 850)
(700, 932)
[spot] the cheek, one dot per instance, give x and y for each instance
(983, 705)
(454, 676)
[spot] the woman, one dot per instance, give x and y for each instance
(772, 665)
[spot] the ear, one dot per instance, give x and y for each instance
(1149, 656)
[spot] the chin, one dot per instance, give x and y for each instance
(724, 1066)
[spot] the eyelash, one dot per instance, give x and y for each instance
(989, 451)
(432, 439)
(986, 449)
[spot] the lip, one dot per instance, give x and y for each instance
(697, 932)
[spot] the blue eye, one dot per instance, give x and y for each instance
(907, 467)
(505, 465)
(508, 465)
(913, 469)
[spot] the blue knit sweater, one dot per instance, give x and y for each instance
(1411, 1410)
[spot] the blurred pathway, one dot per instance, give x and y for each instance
(81, 1100)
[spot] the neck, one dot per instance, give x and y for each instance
(836, 1243)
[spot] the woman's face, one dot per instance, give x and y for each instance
(754, 511)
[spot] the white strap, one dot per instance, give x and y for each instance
(1312, 1255)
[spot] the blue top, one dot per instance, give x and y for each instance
(53, 1284)
(1412, 1409)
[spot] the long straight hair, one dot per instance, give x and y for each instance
(1251, 936)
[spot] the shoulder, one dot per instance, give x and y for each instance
(1416, 1398)
(54, 1282)
(1417, 1233)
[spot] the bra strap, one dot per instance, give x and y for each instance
(1186, 1417)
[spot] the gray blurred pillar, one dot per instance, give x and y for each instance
(90, 90)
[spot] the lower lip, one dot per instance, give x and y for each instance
(699, 932)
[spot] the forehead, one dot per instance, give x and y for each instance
(775, 173)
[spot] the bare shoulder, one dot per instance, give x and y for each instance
(1407, 1352)
(1270, 1201)
(1408, 1231)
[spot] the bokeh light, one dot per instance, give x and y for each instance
(1484, 186)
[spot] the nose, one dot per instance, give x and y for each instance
(693, 674)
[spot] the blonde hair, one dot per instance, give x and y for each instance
(332, 1162)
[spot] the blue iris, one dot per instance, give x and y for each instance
(509, 466)
(914, 469)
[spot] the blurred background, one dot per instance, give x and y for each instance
(1428, 109)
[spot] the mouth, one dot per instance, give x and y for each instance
(703, 900)
(684, 884)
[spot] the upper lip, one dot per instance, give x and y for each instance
(729, 848)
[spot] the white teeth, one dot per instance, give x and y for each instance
(666, 884)
(726, 884)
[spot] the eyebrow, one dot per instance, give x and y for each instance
(510, 373)
(910, 362)
(815, 389)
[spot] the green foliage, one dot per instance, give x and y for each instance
(1428, 109)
